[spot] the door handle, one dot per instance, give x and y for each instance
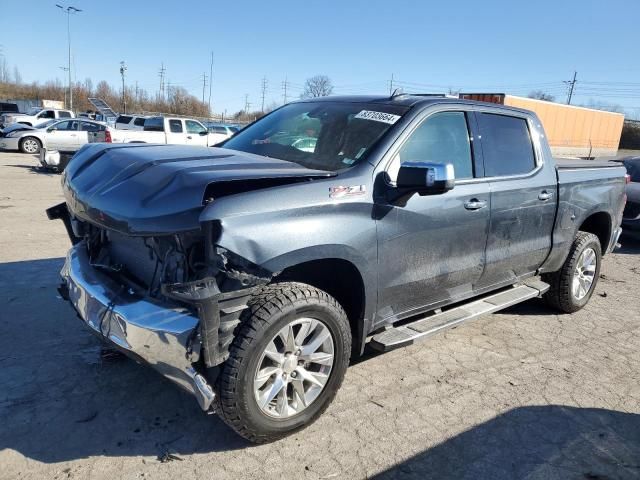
(189, 137)
(474, 204)
(544, 196)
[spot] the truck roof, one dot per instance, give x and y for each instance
(408, 100)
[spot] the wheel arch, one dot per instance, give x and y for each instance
(342, 280)
(601, 225)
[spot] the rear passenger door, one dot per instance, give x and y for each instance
(175, 133)
(523, 196)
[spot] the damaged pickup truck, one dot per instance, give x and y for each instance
(251, 273)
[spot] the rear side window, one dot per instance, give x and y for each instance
(506, 145)
(175, 126)
(155, 124)
(90, 127)
(139, 122)
(64, 114)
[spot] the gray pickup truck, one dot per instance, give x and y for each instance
(251, 273)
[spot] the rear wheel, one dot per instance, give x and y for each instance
(573, 285)
(30, 145)
(286, 363)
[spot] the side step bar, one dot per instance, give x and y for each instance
(424, 327)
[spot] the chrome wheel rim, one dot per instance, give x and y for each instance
(294, 368)
(584, 274)
(31, 146)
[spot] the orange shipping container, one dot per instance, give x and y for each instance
(571, 131)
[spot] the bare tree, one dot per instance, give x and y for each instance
(540, 95)
(317, 86)
(5, 75)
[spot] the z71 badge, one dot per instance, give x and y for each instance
(347, 191)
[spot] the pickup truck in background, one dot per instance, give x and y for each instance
(250, 274)
(168, 130)
(35, 116)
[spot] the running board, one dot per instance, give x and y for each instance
(424, 327)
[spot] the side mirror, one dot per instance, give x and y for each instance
(51, 129)
(426, 178)
(204, 133)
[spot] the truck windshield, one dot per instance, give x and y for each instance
(320, 135)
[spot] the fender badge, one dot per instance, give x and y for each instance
(347, 191)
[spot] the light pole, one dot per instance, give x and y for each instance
(64, 69)
(123, 68)
(69, 10)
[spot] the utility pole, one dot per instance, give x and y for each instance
(571, 84)
(161, 74)
(285, 85)
(264, 91)
(123, 68)
(391, 85)
(246, 103)
(64, 69)
(204, 85)
(210, 82)
(69, 10)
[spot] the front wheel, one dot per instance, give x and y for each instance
(30, 145)
(573, 285)
(286, 363)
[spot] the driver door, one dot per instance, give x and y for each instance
(63, 136)
(431, 249)
(196, 133)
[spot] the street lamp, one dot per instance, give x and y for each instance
(123, 68)
(69, 10)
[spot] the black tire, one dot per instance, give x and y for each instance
(560, 295)
(37, 142)
(269, 311)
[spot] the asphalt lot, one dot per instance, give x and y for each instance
(525, 393)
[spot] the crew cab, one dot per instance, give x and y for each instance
(249, 274)
(35, 116)
(168, 130)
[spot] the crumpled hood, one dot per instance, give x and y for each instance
(159, 189)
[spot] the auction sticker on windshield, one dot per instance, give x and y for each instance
(378, 116)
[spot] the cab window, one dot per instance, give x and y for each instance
(441, 138)
(194, 127)
(506, 145)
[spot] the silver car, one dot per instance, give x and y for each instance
(62, 135)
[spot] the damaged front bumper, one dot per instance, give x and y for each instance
(145, 330)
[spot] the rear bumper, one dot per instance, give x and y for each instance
(148, 332)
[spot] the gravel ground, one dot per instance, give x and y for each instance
(525, 393)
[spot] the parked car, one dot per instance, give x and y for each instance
(7, 108)
(253, 272)
(222, 130)
(169, 130)
(631, 216)
(61, 135)
(130, 122)
(35, 116)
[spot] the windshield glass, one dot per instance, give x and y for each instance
(319, 135)
(33, 110)
(45, 124)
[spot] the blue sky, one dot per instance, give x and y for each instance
(511, 46)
